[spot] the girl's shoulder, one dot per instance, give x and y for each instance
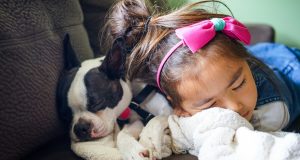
(284, 62)
(266, 87)
(275, 55)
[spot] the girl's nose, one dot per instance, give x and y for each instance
(231, 102)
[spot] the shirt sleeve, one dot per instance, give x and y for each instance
(270, 117)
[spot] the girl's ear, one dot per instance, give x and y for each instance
(181, 112)
(114, 62)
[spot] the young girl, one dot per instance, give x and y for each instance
(196, 59)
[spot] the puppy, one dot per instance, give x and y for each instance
(91, 97)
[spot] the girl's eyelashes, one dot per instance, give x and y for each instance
(208, 106)
(202, 107)
(241, 85)
(212, 105)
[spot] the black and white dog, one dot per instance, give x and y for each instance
(92, 95)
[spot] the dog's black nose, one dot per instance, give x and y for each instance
(82, 130)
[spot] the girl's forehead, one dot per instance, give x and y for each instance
(207, 77)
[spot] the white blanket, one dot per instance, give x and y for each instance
(222, 134)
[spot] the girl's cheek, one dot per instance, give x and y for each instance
(252, 92)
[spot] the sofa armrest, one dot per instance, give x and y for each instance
(261, 33)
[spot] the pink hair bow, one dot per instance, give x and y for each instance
(199, 34)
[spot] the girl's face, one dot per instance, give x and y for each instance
(225, 83)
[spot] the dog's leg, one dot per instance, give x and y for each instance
(128, 145)
(156, 137)
(97, 150)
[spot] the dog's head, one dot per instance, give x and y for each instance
(91, 95)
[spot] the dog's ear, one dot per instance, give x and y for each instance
(114, 62)
(70, 58)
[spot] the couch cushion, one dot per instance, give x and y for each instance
(261, 33)
(94, 13)
(57, 149)
(31, 60)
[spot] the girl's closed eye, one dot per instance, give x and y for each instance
(235, 89)
(212, 105)
(240, 85)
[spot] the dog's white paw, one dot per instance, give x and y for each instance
(156, 137)
(96, 150)
(128, 145)
(138, 152)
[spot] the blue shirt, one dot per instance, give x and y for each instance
(284, 62)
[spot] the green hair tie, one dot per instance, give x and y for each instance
(219, 23)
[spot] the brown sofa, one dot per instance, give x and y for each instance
(31, 60)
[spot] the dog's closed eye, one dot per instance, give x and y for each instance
(99, 104)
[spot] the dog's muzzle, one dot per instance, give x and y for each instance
(82, 130)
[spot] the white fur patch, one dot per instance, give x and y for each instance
(125, 101)
(77, 93)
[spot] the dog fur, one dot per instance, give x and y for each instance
(92, 95)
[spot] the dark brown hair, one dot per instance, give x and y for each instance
(128, 19)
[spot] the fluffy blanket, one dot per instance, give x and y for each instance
(222, 134)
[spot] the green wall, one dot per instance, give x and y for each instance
(283, 15)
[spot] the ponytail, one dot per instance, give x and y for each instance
(125, 19)
(128, 19)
